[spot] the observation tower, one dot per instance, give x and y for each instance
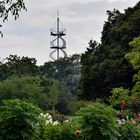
(57, 43)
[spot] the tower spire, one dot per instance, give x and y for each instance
(57, 14)
(58, 34)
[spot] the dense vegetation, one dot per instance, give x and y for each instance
(51, 86)
(91, 96)
(107, 68)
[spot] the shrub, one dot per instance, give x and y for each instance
(77, 104)
(56, 116)
(132, 108)
(118, 94)
(61, 132)
(133, 105)
(18, 120)
(129, 131)
(98, 122)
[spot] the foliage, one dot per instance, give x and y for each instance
(60, 132)
(65, 69)
(11, 6)
(98, 122)
(65, 72)
(47, 119)
(57, 70)
(28, 88)
(103, 66)
(57, 84)
(18, 120)
(133, 105)
(134, 55)
(129, 131)
(15, 65)
(75, 105)
(52, 96)
(134, 58)
(113, 17)
(118, 94)
(64, 98)
(136, 90)
(56, 116)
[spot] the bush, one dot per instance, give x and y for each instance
(18, 120)
(61, 132)
(77, 104)
(57, 116)
(132, 108)
(118, 94)
(133, 105)
(129, 131)
(98, 122)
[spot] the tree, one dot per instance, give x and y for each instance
(134, 55)
(64, 98)
(15, 65)
(134, 58)
(28, 88)
(87, 70)
(105, 67)
(51, 90)
(61, 68)
(113, 17)
(65, 69)
(102, 70)
(10, 6)
(65, 72)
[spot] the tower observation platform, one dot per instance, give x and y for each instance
(58, 43)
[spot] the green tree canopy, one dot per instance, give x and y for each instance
(103, 66)
(65, 69)
(134, 58)
(15, 65)
(134, 55)
(29, 88)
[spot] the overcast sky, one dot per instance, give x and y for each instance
(83, 19)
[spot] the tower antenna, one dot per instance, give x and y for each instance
(58, 42)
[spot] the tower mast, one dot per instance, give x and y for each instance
(58, 34)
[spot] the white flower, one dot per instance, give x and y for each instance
(121, 121)
(66, 121)
(46, 115)
(49, 117)
(47, 122)
(50, 120)
(55, 123)
(41, 114)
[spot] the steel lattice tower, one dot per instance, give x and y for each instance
(58, 43)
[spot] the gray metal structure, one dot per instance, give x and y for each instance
(58, 43)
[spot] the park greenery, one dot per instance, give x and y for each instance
(89, 96)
